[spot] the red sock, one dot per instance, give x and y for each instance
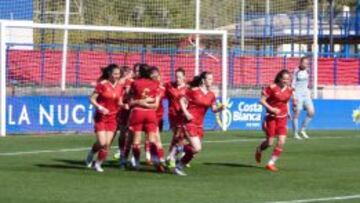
(102, 154)
(136, 151)
(277, 151)
(96, 147)
(160, 154)
(189, 154)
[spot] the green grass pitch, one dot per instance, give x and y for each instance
(52, 170)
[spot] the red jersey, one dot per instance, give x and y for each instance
(278, 98)
(109, 95)
(198, 104)
(173, 94)
(160, 109)
(143, 88)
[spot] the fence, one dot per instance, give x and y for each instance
(42, 66)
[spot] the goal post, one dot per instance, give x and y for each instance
(84, 30)
(2, 80)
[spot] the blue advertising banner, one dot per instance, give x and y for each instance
(41, 114)
(247, 114)
(38, 114)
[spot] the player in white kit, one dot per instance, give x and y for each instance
(300, 83)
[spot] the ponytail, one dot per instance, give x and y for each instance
(199, 79)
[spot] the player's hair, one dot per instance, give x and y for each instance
(198, 80)
(280, 74)
(107, 72)
(136, 65)
(180, 70)
(303, 58)
(144, 71)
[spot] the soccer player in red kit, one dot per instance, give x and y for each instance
(174, 92)
(275, 99)
(144, 101)
(194, 106)
(107, 99)
(124, 117)
(155, 75)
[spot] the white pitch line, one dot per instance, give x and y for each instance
(321, 199)
(44, 151)
(209, 141)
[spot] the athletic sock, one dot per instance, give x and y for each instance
(275, 155)
(295, 123)
(305, 123)
(147, 150)
(102, 154)
(189, 154)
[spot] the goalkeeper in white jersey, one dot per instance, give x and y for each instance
(303, 97)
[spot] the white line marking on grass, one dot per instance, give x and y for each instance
(208, 141)
(321, 199)
(44, 151)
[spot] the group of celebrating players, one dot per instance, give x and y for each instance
(129, 100)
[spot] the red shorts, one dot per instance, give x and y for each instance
(194, 130)
(105, 122)
(275, 126)
(143, 120)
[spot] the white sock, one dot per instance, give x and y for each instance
(273, 160)
(98, 163)
(147, 155)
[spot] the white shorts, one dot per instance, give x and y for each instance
(304, 102)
